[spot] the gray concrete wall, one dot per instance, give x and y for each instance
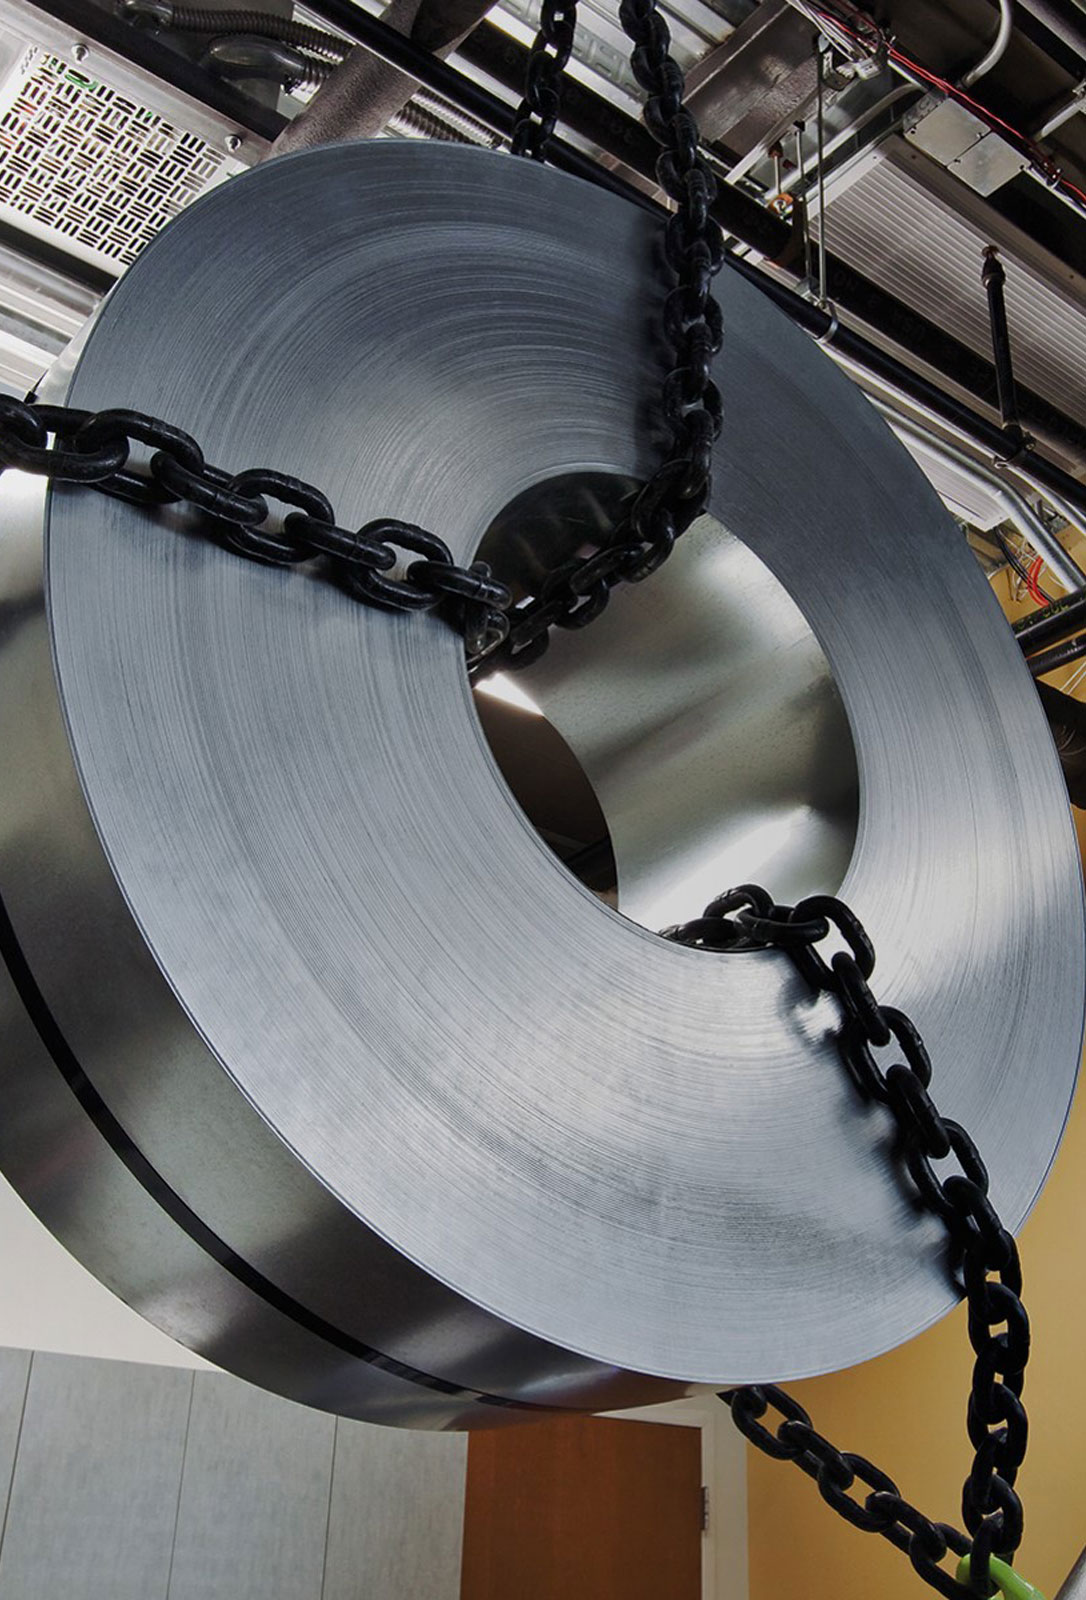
(121, 1481)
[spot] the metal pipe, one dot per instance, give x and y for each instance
(1075, 518)
(996, 50)
(1053, 622)
(1071, 107)
(993, 278)
(427, 117)
(1061, 655)
(265, 24)
(455, 121)
(1013, 504)
(366, 90)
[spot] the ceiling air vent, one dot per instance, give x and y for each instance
(89, 168)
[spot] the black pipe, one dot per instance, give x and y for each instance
(909, 330)
(993, 278)
(1061, 655)
(1053, 622)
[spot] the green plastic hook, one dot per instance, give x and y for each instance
(1006, 1580)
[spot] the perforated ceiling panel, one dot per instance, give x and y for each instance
(91, 168)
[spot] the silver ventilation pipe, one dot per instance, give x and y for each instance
(998, 46)
(1010, 501)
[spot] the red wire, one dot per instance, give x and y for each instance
(1032, 577)
(1039, 157)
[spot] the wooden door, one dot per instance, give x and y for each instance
(589, 1508)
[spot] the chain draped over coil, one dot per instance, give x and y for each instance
(678, 491)
(983, 1256)
(94, 448)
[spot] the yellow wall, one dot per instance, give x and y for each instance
(906, 1413)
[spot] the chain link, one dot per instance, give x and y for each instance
(72, 446)
(537, 114)
(882, 1510)
(983, 1254)
(94, 449)
(678, 491)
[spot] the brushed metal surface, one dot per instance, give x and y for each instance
(705, 716)
(701, 708)
(396, 1522)
(94, 1497)
(254, 1278)
(253, 1514)
(471, 1118)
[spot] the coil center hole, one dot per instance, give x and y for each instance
(692, 737)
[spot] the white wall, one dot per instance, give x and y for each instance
(50, 1302)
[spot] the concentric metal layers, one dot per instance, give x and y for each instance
(311, 1048)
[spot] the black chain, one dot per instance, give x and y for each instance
(882, 1510)
(983, 1254)
(678, 491)
(537, 114)
(94, 448)
(81, 447)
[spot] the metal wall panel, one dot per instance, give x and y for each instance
(397, 1514)
(895, 223)
(254, 1496)
(97, 1477)
(14, 1377)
